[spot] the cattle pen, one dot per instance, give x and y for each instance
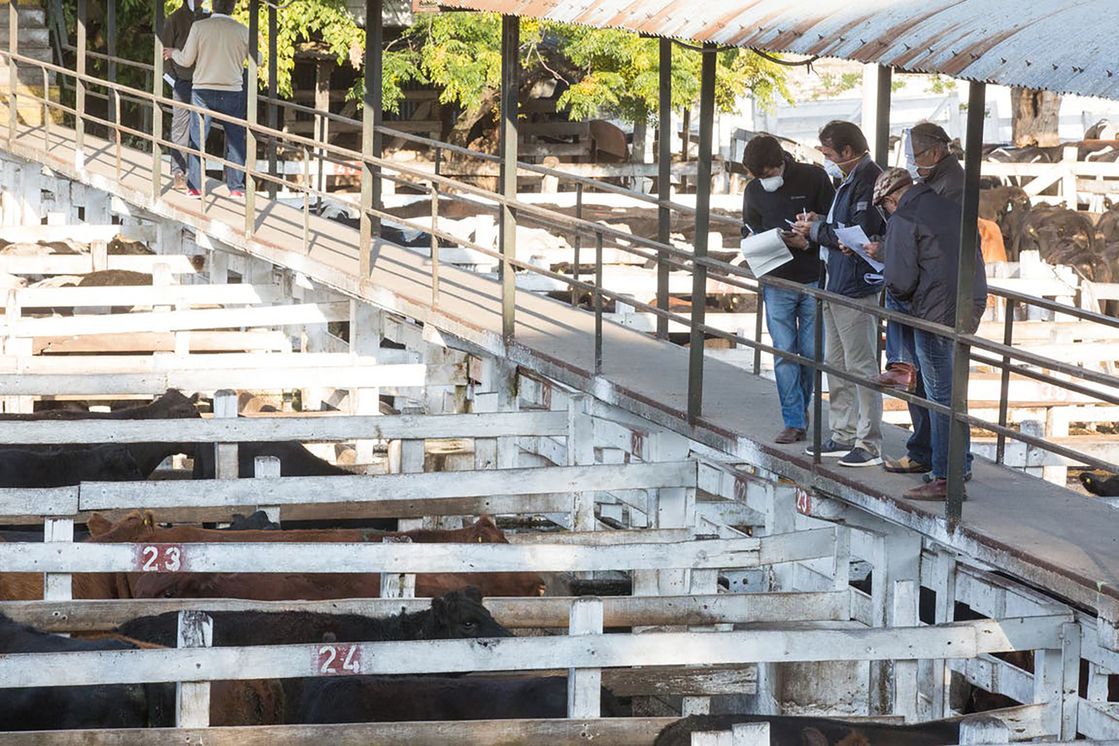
(655, 547)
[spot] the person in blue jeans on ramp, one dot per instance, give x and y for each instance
(781, 190)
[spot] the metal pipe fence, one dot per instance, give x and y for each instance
(436, 186)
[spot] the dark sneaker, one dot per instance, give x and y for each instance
(789, 435)
(934, 490)
(830, 449)
(860, 457)
(929, 477)
(906, 465)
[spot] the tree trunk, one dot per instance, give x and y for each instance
(1035, 116)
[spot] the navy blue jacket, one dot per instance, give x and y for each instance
(853, 206)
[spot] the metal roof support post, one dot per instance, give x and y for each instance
(510, 88)
(13, 71)
(969, 243)
(273, 110)
(250, 116)
(79, 85)
(702, 224)
(877, 80)
(157, 111)
(110, 50)
(372, 113)
(664, 179)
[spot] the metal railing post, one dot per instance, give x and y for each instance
(664, 180)
(1004, 380)
(961, 361)
(510, 88)
(434, 244)
(157, 112)
(13, 70)
(702, 224)
(273, 92)
(370, 136)
(578, 244)
(758, 318)
(250, 116)
(79, 85)
(818, 382)
(110, 48)
(306, 199)
(598, 303)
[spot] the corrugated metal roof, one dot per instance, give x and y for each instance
(1068, 46)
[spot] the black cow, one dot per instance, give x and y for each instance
(295, 460)
(456, 615)
(1100, 484)
(56, 707)
(68, 465)
(785, 730)
(171, 405)
(423, 698)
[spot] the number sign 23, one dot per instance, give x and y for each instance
(160, 558)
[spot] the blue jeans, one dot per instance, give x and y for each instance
(791, 318)
(901, 347)
(935, 353)
(231, 103)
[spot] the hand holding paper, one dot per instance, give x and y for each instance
(765, 252)
(855, 239)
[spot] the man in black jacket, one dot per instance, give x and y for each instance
(922, 250)
(176, 29)
(781, 190)
(851, 334)
(930, 161)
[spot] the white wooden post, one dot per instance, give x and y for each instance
(225, 454)
(896, 558)
(268, 467)
(750, 734)
(398, 584)
(1056, 426)
(99, 253)
(57, 586)
(580, 452)
(196, 630)
(1057, 682)
(1068, 177)
(584, 685)
(945, 612)
(905, 671)
(409, 460)
(983, 730)
(713, 738)
(366, 333)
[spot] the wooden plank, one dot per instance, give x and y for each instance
(304, 428)
(171, 321)
(80, 264)
(35, 365)
(291, 557)
(199, 341)
(666, 681)
(958, 640)
(147, 295)
(387, 487)
(535, 612)
(47, 501)
(80, 232)
(600, 731)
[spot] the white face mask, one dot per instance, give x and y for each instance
(914, 171)
(833, 169)
(772, 183)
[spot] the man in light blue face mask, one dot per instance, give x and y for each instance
(782, 190)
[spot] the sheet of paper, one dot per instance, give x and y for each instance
(169, 80)
(855, 239)
(765, 252)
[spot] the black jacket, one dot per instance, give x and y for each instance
(853, 206)
(922, 258)
(806, 188)
(176, 28)
(947, 179)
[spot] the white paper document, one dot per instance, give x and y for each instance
(169, 80)
(765, 252)
(855, 239)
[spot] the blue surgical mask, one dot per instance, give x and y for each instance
(833, 169)
(914, 170)
(772, 183)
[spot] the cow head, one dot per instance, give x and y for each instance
(485, 531)
(175, 405)
(460, 614)
(135, 526)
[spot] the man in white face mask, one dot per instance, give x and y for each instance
(781, 190)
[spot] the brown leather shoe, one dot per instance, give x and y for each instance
(933, 491)
(899, 375)
(790, 435)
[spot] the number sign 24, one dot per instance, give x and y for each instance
(337, 660)
(160, 558)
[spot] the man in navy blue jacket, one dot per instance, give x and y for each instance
(850, 334)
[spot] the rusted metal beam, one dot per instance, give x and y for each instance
(702, 224)
(664, 178)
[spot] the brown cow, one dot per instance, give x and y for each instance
(138, 527)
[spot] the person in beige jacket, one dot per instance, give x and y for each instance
(217, 47)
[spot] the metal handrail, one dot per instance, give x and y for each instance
(436, 184)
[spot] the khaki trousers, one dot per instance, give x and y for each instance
(851, 345)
